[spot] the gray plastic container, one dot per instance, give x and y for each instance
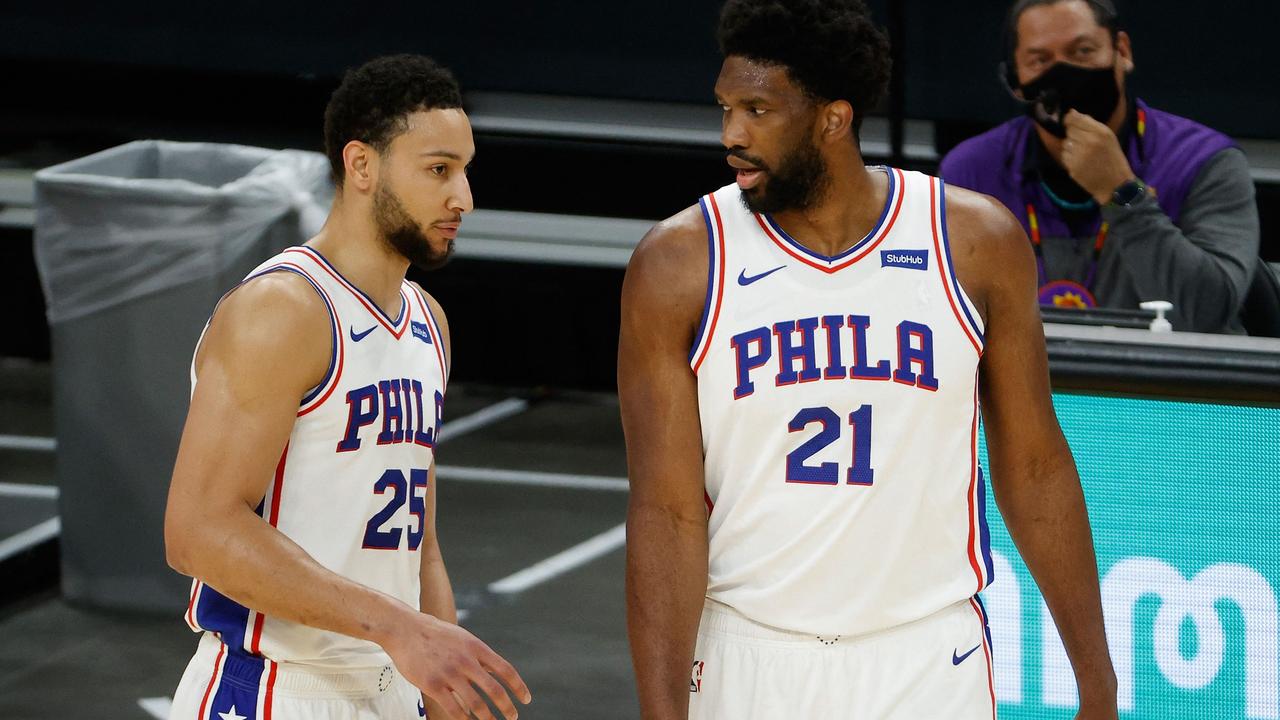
(135, 245)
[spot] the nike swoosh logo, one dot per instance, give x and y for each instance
(957, 659)
(744, 280)
(357, 337)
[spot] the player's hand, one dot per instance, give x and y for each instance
(452, 667)
(1092, 156)
(432, 709)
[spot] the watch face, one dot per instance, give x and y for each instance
(1128, 193)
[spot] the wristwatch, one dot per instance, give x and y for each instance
(1129, 192)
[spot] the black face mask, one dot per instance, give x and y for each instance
(1091, 91)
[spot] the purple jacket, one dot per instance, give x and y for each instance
(1168, 157)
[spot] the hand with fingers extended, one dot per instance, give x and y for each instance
(455, 671)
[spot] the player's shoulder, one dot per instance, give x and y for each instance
(980, 224)
(673, 244)
(274, 315)
(275, 298)
(667, 273)
(989, 249)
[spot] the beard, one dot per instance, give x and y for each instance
(798, 183)
(403, 234)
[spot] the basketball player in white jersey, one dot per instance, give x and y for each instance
(304, 495)
(801, 360)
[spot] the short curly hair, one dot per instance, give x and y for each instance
(374, 100)
(830, 48)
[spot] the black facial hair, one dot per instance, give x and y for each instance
(403, 234)
(798, 183)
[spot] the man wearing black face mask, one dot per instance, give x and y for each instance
(1123, 203)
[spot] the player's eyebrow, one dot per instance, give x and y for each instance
(753, 100)
(441, 153)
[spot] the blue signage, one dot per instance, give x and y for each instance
(1184, 501)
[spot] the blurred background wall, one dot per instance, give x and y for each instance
(80, 77)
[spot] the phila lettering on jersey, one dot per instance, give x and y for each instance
(351, 484)
(839, 409)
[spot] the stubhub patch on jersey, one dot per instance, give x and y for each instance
(910, 259)
(420, 331)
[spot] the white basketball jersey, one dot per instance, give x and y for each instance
(839, 410)
(351, 483)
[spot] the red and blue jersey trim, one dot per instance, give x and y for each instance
(321, 392)
(981, 610)
(979, 536)
(337, 352)
(213, 682)
(437, 337)
(859, 250)
(715, 281)
(960, 305)
(396, 327)
(241, 683)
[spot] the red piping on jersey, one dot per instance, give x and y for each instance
(213, 679)
(436, 334)
(719, 259)
(973, 483)
(942, 271)
(191, 605)
(404, 320)
(271, 685)
(337, 338)
(256, 637)
(986, 650)
(710, 505)
(273, 517)
(884, 233)
(277, 486)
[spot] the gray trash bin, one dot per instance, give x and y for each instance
(134, 246)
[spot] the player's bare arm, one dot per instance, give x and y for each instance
(662, 300)
(266, 346)
(1032, 472)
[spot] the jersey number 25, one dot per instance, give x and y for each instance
(376, 537)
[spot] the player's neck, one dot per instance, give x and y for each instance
(349, 240)
(849, 209)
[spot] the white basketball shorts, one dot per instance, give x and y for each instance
(220, 685)
(936, 667)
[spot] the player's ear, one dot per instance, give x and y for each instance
(361, 165)
(836, 119)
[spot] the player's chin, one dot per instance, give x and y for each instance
(441, 252)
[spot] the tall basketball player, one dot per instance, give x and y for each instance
(801, 362)
(303, 500)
